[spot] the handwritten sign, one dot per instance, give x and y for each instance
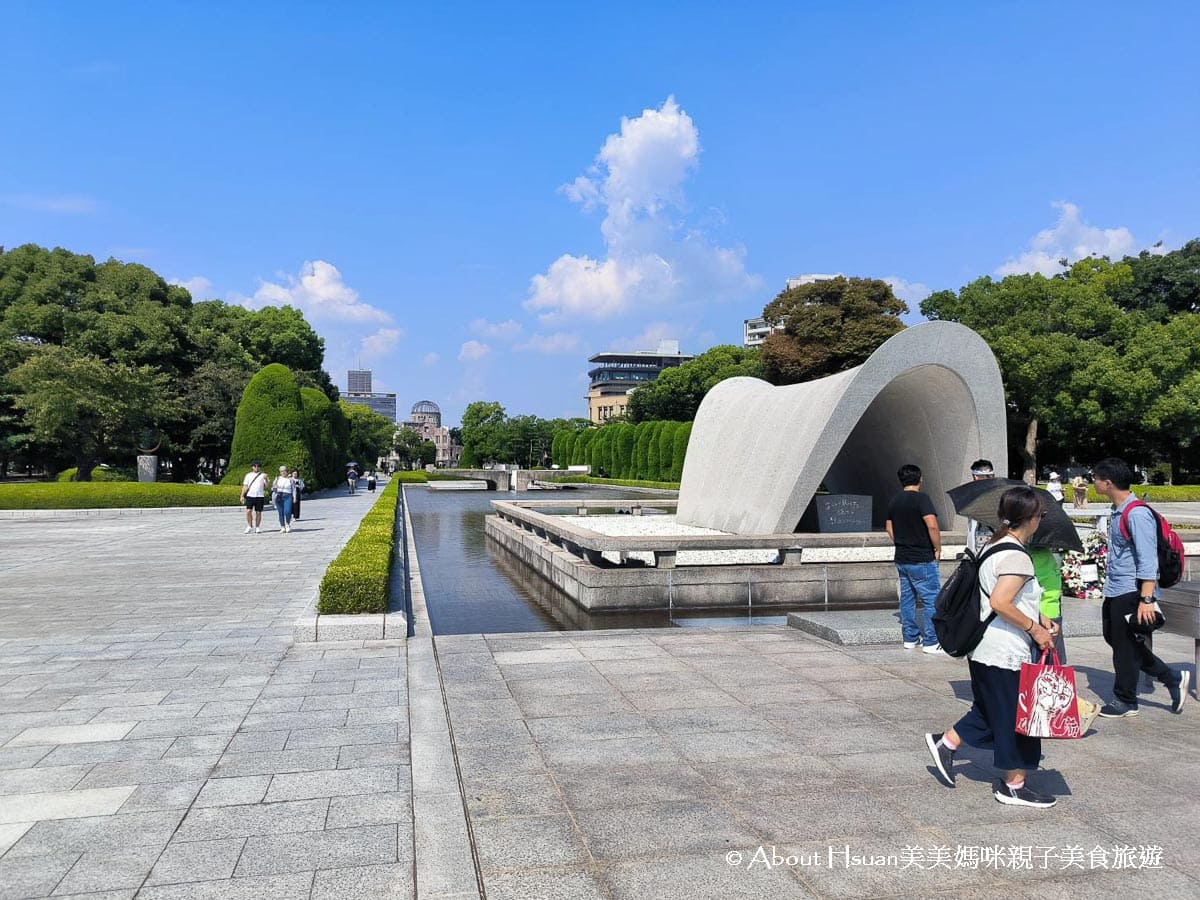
(840, 513)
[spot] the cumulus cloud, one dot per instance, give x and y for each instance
(559, 342)
(473, 351)
(652, 257)
(911, 292)
(1071, 239)
(199, 287)
(498, 331)
(649, 338)
(430, 359)
(320, 292)
(381, 342)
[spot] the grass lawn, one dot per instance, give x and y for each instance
(114, 495)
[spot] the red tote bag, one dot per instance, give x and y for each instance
(1046, 705)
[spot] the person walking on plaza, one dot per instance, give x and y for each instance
(913, 527)
(254, 490)
(1008, 587)
(298, 487)
(1079, 486)
(1130, 592)
(371, 481)
(352, 479)
(281, 492)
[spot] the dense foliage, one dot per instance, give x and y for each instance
(1101, 360)
(101, 358)
(413, 450)
(370, 434)
(358, 579)
(828, 326)
(272, 427)
(677, 392)
(647, 451)
(490, 436)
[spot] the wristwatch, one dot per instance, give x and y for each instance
(1147, 599)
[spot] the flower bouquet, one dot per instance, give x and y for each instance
(1083, 573)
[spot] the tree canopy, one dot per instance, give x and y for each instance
(370, 433)
(677, 392)
(828, 326)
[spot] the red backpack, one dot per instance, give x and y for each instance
(1170, 547)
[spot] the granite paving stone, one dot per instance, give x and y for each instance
(331, 848)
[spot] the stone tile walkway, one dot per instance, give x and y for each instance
(639, 764)
(161, 737)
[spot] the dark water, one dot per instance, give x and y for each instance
(473, 587)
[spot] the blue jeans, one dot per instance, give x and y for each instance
(918, 580)
(283, 506)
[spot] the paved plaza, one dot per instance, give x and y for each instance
(162, 737)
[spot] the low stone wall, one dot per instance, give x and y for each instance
(616, 588)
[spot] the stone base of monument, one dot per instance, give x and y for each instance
(1081, 618)
(605, 572)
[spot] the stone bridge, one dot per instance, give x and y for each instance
(507, 479)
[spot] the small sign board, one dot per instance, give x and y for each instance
(840, 513)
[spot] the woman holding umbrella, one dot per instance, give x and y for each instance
(1007, 587)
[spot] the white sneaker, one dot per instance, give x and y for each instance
(282, 529)
(934, 650)
(910, 645)
(287, 529)
(248, 530)
(258, 531)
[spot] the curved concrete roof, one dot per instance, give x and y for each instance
(930, 395)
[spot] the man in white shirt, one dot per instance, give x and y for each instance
(254, 492)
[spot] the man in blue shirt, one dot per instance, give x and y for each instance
(1130, 590)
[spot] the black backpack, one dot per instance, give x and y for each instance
(956, 610)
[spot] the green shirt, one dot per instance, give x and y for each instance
(1049, 576)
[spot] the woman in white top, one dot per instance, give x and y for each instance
(1008, 587)
(281, 492)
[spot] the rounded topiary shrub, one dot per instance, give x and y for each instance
(270, 426)
(328, 435)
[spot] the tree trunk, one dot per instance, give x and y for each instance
(1176, 463)
(1029, 452)
(84, 468)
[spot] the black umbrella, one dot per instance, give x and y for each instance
(349, 464)
(980, 500)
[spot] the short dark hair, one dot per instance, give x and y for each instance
(909, 475)
(1115, 470)
(982, 464)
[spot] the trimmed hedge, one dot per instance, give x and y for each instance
(421, 477)
(109, 476)
(102, 495)
(271, 426)
(1158, 493)
(619, 482)
(357, 581)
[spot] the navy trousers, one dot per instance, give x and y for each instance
(992, 721)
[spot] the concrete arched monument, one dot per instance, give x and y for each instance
(930, 395)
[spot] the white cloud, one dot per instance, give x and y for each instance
(473, 351)
(60, 204)
(911, 292)
(198, 286)
(652, 257)
(1071, 239)
(430, 359)
(649, 339)
(498, 331)
(320, 293)
(382, 342)
(559, 342)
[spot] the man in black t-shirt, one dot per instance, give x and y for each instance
(913, 527)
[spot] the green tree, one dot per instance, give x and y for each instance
(677, 392)
(427, 453)
(679, 450)
(370, 433)
(328, 436)
(641, 450)
(95, 409)
(626, 438)
(407, 445)
(828, 326)
(1162, 284)
(271, 426)
(484, 435)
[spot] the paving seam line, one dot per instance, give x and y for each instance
(425, 632)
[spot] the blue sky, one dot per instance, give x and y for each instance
(473, 198)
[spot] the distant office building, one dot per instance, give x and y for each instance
(358, 390)
(426, 420)
(358, 381)
(755, 331)
(616, 374)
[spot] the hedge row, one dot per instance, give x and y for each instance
(647, 451)
(357, 580)
(1156, 493)
(620, 482)
(102, 495)
(99, 473)
(421, 477)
